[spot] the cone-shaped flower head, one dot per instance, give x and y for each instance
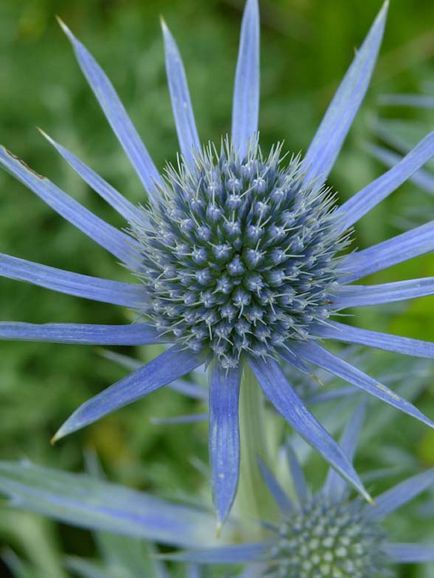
(240, 255)
(236, 260)
(329, 539)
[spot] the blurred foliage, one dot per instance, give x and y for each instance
(306, 47)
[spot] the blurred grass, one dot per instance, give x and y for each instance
(306, 47)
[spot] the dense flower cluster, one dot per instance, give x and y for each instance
(240, 255)
(327, 539)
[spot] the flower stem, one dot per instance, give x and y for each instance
(254, 502)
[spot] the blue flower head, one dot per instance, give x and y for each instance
(328, 534)
(237, 258)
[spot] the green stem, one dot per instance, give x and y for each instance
(254, 502)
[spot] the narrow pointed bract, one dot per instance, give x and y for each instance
(180, 97)
(286, 401)
(423, 179)
(366, 295)
(245, 112)
(400, 495)
(116, 116)
(275, 489)
(119, 203)
(132, 334)
(85, 286)
(335, 486)
(319, 356)
(413, 243)
(369, 197)
(386, 341)
(410, 553)
(329, 138)
(224, 437)
(115, 241)
(162, 370)
(236, 554)
(297, 474)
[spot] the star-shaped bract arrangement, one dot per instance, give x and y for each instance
(238, 258)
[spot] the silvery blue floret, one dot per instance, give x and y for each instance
(237, 258)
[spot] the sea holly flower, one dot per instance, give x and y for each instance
(327, 534)
(238, 258)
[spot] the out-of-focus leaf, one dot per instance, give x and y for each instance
(83, 501)
(37, 542)
(86, 569)
(127, 557)
(18, 568)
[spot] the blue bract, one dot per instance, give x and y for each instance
(237, 260)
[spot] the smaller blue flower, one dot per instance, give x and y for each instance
(328, 534)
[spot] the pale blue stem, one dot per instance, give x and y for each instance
(254, 503)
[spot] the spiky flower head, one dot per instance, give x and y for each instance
(328, 539)
(239, 256)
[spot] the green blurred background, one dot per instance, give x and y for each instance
(306, 47)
